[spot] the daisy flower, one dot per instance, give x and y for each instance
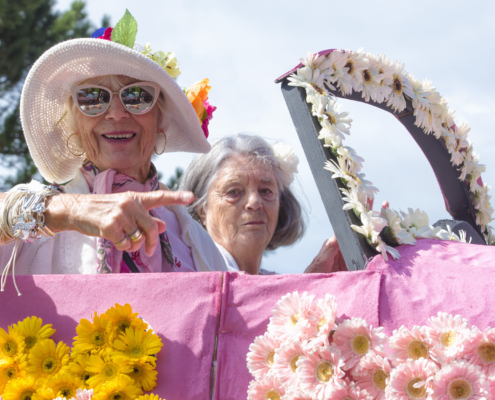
(417, 223)
(335, 71)
(93, 337)
(400, 86)
(354, 338)
(311, 80)
(384, 248)
(122, 317)
(373, 375)
(350, 177)
(479, 349)
(322, 318)
(79, 367)
(413, 344)
(21, 389)
(84, 394)
(460, 380)
(285, 361)
(46, 359)
(347, 390)
(296, 395)
(396, 234)
(371, 79)
(356, 63)
(386, 70)
(261, 354)
(122, 388)
(447, 234)
(351, 156)
(64, 385)
(354, 199)
(136, 344)
(327, 110)
(371, 227)
(11, 344)
(471, 167)
(461, 143)
(289, 317)
(143, 374)
(12, 368)
(103, 370)
(149, 397)
(266, 388)
(33, 331)
(411, 380)
(319, 371)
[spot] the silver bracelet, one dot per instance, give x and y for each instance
(29, 224)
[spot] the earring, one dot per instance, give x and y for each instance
(68, 148)
(164, 146)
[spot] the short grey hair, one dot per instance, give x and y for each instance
(204, 170)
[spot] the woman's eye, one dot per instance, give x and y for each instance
(266, 191)
(233, 192)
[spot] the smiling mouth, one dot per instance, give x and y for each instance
(255, 223)
(120, 136)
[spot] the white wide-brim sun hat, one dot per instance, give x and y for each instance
(63, 66)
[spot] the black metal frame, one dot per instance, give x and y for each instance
(354, 248)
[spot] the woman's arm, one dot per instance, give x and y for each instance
(111, 215)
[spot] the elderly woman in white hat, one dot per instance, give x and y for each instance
(94, 112)
(245, 202)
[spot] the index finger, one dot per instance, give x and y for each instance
(164, 198)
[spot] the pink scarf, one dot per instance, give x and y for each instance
(109, 258)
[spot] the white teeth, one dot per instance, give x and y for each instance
(123, 136)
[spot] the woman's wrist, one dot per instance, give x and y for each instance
(59, 212)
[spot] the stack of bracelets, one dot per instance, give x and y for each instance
(22, 219)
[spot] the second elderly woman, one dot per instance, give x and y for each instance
(245, 202)
(94, 112)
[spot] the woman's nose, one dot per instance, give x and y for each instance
(116, 110)
(254, 202)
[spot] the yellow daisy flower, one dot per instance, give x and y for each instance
(46, 360)
(122, 317)
(12, 368)
(144, 375)
(122, 388)
(93, 337)
(64, 385)
(104, 370)
(11, 344)
(34, 331)
(136, 345)
(44, 392)
(149, 397)
(20, 389)
(79, 368)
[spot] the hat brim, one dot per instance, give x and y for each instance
(48, 85)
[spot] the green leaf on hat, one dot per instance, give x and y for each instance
(125, 30)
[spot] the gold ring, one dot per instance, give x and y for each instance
(136, 235)
(122, 242)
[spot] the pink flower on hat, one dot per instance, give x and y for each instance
(261, 355)
(411, 380)
(373, 377)
(107, 35)
(267, 387)
(479, 349)
(209, 115)
(347, 390)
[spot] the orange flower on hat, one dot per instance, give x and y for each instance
(197, 95)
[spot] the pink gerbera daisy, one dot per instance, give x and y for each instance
(290, 316)
(319, 370)
(355, 339)
(322, 319)
(411, 380)
(460, 380)
(373, 377)
(84, 394)
(261, 356)
(413, 344)
(266, 388)
(347, 390)
(448, 334)
(296, 395)
(285, 362)
(479, 349)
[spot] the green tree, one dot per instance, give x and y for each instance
(27, 29)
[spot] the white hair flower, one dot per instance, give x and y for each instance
(287, 161)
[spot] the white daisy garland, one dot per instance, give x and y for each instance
(382, 80)
(444, 360)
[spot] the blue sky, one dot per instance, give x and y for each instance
(243, 46)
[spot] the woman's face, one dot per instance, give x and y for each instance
(243, 204)
(118, 139)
